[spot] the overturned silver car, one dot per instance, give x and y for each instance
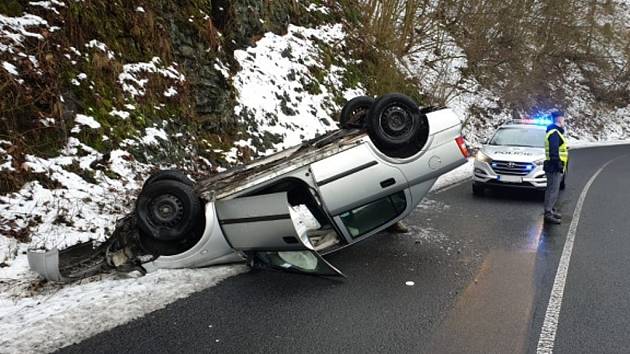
(286, 210)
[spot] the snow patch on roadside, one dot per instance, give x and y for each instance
(15, 30)
(58, 316)
(10, 68)
(133, 78)
(427, 235)
(455, 176)
(82, 204)
(153, 136)
(6, 160)
(87, 120)
(277, 88)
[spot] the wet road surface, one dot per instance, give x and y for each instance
(482, 267)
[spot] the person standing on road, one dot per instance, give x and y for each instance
(556, 160)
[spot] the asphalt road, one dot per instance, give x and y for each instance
(483, 269)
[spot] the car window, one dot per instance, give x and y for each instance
(374, 214)
(519, 137)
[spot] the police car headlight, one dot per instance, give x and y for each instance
(481, 157)
(539, 162)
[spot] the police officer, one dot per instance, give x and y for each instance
(555, 165)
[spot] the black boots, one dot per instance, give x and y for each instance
(556, 214)
(552, 218)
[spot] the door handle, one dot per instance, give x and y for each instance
(388, 182)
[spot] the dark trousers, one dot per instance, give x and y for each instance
(552, 191)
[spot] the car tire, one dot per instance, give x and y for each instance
(396, 126)
(168, 210)
(354, 113)
(172, 175)
(477, 189)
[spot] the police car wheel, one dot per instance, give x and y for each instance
(167, 210)
(354, 113)
(396, 125)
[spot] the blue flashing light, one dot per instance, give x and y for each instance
(529, 167)
(541, 118)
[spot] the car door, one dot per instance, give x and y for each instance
(267, 227)
(355, 177)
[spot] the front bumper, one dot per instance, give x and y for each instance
(484, 174)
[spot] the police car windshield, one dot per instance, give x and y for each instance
(519, 137)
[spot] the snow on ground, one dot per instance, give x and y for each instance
(133, 78)
(73, 209)
(278, 89)
(42, 319)
(16, 29)
(6, 160)
(457, 175)
(153, 136)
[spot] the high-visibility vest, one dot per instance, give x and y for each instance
(562, 149)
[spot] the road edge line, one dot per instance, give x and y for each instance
(547, 338)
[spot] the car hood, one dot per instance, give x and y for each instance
(513, 153)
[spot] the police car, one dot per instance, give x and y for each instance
(513, 157)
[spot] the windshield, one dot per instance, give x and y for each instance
(519, 137)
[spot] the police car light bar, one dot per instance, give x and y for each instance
(534, 121)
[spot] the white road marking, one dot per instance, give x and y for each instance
(550, 325)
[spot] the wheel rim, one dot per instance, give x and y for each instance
(166, 210)
(358, 115)
(397, 123)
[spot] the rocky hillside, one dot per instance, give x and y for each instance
(96, 94)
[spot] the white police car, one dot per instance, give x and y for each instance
(513, 157)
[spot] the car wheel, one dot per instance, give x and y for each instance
(168, 210)
(354, 113)
(396, 126)
(477, 189)
(172, 175)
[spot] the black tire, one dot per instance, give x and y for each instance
(354, 113)
(396, 126)
(172, 175)
(168, 210)
(477, 189)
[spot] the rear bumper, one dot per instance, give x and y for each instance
(46, 264)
